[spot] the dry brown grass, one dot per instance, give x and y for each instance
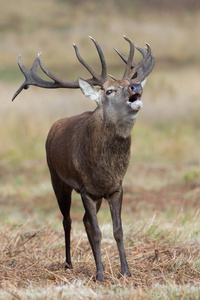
(35, 259)
(162, 246)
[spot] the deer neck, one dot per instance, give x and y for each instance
(114, 124)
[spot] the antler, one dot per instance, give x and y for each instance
(100, 79)
(32, 78)
(137, 72)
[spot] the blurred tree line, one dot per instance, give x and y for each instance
(160, 5)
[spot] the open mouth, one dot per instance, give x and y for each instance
(134, 102)
(134, 97)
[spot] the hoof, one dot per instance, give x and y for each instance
(100, 277)
(68, 266)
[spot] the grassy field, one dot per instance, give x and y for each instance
(161, 216)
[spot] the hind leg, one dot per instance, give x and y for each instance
(63, 194)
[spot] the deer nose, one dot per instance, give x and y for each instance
(135, 88)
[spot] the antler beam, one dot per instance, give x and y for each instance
(32, 78)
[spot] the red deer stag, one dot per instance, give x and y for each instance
(89, 153)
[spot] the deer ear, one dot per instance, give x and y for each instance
(143, 83)
(89, 91)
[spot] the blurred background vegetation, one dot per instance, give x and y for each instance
(166, 137)
(171, 27)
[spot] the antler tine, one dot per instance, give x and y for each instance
(58, 82)
(102, 59)
(31, 76)
(100, 79)
(123, 57)
(25, 73)
(142, 62)
(130, 58)
(114, 78)
(149, 65)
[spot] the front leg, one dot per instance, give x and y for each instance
(93, 231)
(115, 203)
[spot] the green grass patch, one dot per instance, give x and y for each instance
(192, 176)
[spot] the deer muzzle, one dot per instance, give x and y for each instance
(134, 101)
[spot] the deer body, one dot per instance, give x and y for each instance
(97, 163)
(89, 153)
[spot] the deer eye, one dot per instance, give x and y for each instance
(108, 92)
